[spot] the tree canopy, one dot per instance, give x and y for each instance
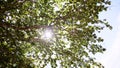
(73, 25)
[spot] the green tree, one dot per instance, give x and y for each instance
(73, 23)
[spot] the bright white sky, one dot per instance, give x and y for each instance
(111, 58)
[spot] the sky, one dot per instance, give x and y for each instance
(111, 57)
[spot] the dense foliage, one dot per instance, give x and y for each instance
(73, 23)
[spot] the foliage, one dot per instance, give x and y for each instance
(74, 25)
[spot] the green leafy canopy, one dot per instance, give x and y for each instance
(73, 23)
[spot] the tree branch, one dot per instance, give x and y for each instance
(8, 25)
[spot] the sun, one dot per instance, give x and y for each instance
(47, 34)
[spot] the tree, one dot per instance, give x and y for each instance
(73, 24)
